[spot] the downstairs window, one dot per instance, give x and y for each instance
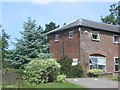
(97, 62)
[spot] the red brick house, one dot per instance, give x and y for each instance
(93, 44)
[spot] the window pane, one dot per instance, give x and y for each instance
(90, 60)
(71, 34)
(117, 60)
(94, 34)
(116, 39)
(94, 60)
(101, 61)
(93, 66)
(102, 67)
(116, 67)
(56, 37)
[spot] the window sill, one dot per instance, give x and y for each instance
(56, 41)
(116, 71)
(97, 40)
(116, 42)
(71, 37)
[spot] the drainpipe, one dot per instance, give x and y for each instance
(79, 41)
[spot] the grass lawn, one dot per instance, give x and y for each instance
(47, 85)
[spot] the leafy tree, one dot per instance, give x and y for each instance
(31, 45)
(114, 16)
(50, 27)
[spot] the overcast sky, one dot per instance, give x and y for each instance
(15, 13)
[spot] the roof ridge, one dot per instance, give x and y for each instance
(101, 22)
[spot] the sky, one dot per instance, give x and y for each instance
(14, 14)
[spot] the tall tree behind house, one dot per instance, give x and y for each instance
(114, 16)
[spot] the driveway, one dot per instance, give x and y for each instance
(94, 83)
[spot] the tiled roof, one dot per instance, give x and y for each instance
(91, 24)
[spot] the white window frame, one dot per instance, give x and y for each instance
(116, 64)
(114, 39)
(97, 64)
(70, 36)
(98, 39)
(56, 35)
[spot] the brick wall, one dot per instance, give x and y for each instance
(83, 47)
(70, 46)
(104, 47)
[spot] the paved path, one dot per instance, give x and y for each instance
(94, 83)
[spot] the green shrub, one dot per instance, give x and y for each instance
(41, 71)
(69, 70)
(61, 78)
(65, 63)
(77, 71)
(95, 72)
(116, 78)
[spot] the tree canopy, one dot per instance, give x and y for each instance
(114, 16)
(31, 45)
(50, 26)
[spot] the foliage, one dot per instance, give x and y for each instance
(50, 26)
(4, 43)
(77, 71)
(41, 71)
(4, 49)
(95, 72)
(116, 78)
(68, 69)
(61, 78)
(65, 63)
(114, 16)
(31, 45)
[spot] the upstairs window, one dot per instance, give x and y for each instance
(56, 37)
(71, 34)
(116, 39)
(117, 61)
(95, 36)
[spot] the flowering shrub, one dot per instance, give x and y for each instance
(41, 71)
(95, 72)
(61, 78)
